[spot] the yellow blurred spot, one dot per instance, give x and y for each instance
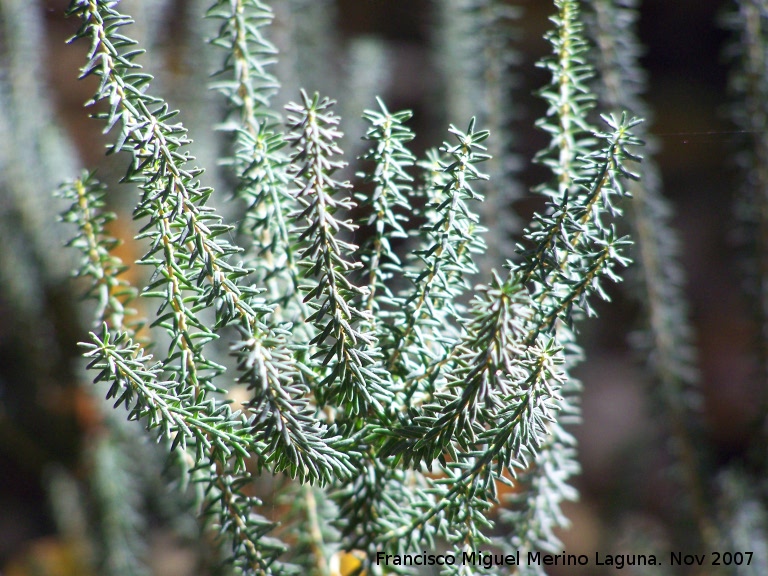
(347, 563)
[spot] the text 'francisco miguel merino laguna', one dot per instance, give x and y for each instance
(488, 559)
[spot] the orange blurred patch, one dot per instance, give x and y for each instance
(48, 557)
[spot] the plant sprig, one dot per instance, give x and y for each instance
(354, 383)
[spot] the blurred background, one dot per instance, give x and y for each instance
(52, 425)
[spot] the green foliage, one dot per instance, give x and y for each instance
(350, 341)
(367, 372)
(354, 346)
(362, 355)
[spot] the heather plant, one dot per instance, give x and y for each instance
(406, 404)
(374, 359)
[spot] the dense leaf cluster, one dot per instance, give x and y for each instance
(368, 372)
